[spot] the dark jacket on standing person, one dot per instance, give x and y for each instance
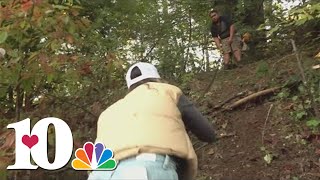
(221, 30)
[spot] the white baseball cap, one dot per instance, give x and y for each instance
(147, 71)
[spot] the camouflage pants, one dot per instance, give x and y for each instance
(235, 45)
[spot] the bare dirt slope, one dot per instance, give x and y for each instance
(259, 140)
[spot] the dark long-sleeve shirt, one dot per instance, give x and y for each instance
(222, 29)
(195, 121)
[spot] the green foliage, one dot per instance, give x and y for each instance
(262, 69)
(303, 106)
(299, 112)
(299, 23)
(3, 174)
(297, 16)
(185, 80)
(267, 155)
(3, 36)
(300, 16)
(284, 94)
(40, 40)
(313, 123)
(303, 98)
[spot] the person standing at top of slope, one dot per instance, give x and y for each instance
(224, 35)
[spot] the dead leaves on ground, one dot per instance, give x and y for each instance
(7, 144)
(8, 139)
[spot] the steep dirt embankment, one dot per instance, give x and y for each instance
(259, 140)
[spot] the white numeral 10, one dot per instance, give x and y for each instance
(36, 144)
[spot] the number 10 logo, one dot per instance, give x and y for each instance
(35, 143)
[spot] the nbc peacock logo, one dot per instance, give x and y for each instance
(94, 157)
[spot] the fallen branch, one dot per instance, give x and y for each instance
(295, 50)
(251, 97)
(196, 143)
(265, 124)
(314, 174)
(230, 99)
(202, 146)
(209, 86)
(304, 80)
(227, 135)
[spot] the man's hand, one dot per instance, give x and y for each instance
(218, 43)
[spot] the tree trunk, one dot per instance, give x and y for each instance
(253, 17)
(254, 13)
(28, 102)
(11, 98)
(165, 65)
(19, 100)
(207, 54)
(189, 42)
(226, 7)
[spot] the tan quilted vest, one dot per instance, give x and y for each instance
(147, 120)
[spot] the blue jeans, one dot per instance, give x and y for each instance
(145, 166)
